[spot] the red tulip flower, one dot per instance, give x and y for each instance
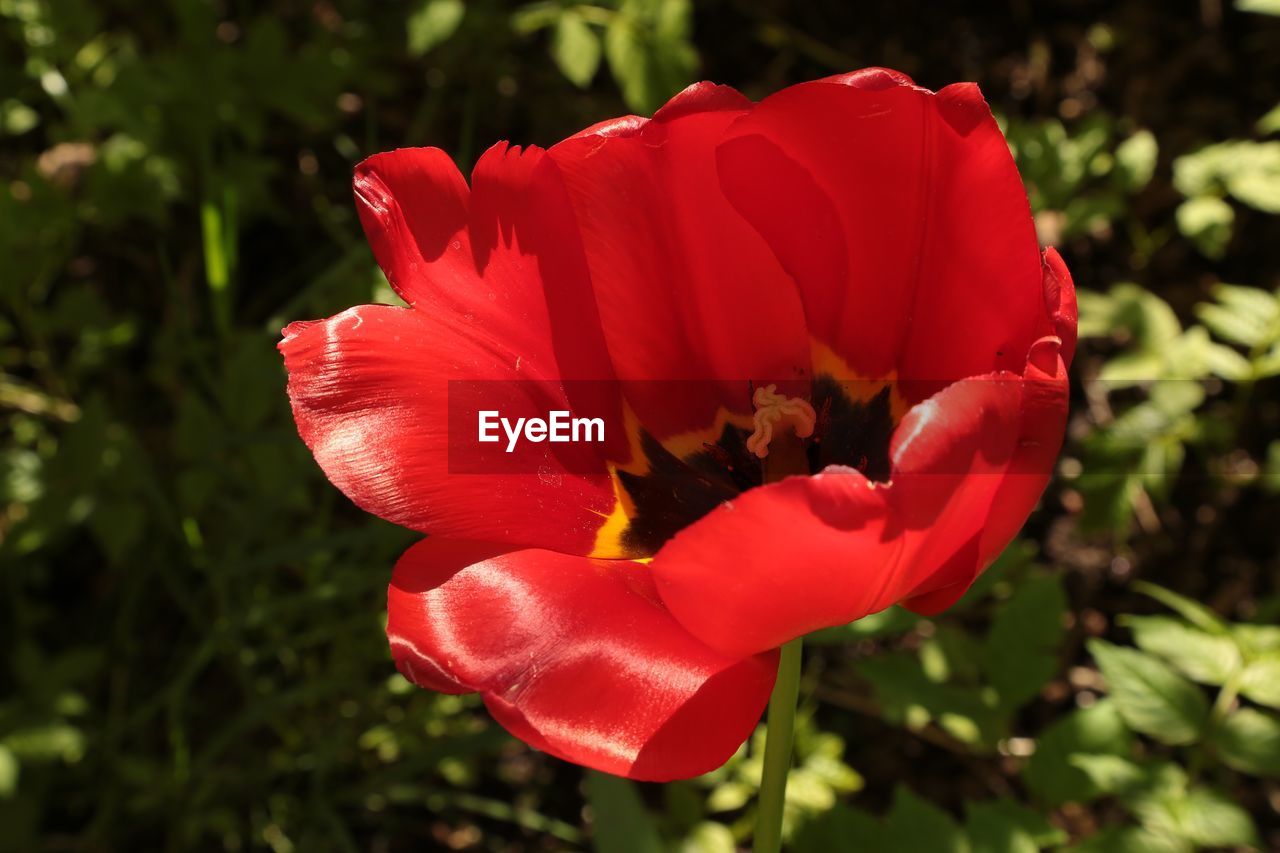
(834, 360)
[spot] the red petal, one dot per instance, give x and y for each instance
(413, 206)
(779, 561)
(576, 657)
(1060, 302)
(507, 303)
(902, 218)
(370, 391)
(1043, 417)
(810, 552)
(686, 289)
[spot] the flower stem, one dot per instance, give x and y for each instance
(777, 750)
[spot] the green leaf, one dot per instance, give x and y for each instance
(48, 742)
(1022, 645)
(433, 23)
(1050, 774)
(1152, 698)
(1249, 741)
(1206, 221)
(1261, 680)
(1006, 826)
(1248, 316)
(1201, 656)
(621, 822)
(841, 828)
(535, 16)
(951, 654)
(1130, 839)
(894, 620)
(1136, 159)
(1193, 611)
(8, 772)
(914, 824)
(1202, 816)
(1133, 783)
(16, 118)
(1257, 640)
(730, 796)
(907, 696)
(1128, 307)
(1270, 123)
(575, 49)
(1271, 470)
(1262, 7)
(1145, 318)
(649, 52)
(708, 837)
(1247, 170)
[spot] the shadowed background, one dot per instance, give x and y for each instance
(191, 618)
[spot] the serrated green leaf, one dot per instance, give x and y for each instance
(1150, 695)
(1130, 839)
(1112, 774)
(1006, 826)
(1202, 816)
(1131, 782)
(1050, 774)
(1201, 656)
(1248, 316)
(1249, 741)
(951, 655)
(1148, 320)
(575, 49)
(908, 697)
(433, 23)
(622, 824)
(914, 824)
(1247, 170)
(841, 828)
(1021, 647)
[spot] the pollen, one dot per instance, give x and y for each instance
(773, 412)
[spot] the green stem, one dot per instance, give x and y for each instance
(777, 750)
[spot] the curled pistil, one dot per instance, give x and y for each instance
(773, 410)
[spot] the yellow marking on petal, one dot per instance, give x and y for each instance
(686, 444)
(608, 544)
(858, 388)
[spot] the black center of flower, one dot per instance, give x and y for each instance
(853, 429)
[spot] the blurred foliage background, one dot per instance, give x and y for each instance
(191, 618)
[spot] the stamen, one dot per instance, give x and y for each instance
(772, 410)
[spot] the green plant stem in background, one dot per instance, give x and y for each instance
(777, 750)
